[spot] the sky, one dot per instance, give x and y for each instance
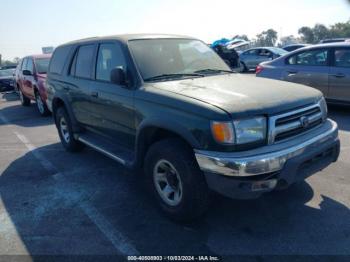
(28, 25)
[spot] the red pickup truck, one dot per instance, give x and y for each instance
(30, 81)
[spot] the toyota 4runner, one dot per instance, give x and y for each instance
(171, 106)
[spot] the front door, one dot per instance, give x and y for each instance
(339, 75)
(28, 80)
(112, 105)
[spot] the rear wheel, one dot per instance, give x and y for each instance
(41, 105)
(242, 67)
(65, 131)
(176, 181)
(25, 101)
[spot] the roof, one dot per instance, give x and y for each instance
(129, 37)
(39, 56)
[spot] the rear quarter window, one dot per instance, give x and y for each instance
(59, 59)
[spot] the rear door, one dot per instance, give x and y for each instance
(81, 83)
(339, 75)
(113, 105)
(309, 67)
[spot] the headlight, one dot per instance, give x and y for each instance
(250, 130)
(241, 131)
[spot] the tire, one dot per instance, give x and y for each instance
(191, 193)
(242, 67)
(65, 131)
(41, 105)
(25, 101)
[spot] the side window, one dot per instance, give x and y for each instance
(58, 59)
(24, 64)
(342, 58)
(110, 56)
(316, 57)
(264, 52)
(85, 61)
(30, 65)
(251, 52)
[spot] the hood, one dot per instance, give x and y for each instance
(244, 94)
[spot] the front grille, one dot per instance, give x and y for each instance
(296, 122)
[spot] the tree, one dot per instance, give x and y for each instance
(320, 32)
(267, 38)
(340, 29)
(289, 40)
(307, 34)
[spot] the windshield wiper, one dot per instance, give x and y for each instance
(213, 71)
(170, 76)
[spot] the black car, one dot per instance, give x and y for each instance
(7, 81)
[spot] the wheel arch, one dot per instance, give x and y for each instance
(154, 131)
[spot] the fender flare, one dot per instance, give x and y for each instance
(69, 110)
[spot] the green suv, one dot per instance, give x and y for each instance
(170, 108)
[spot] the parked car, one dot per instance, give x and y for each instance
(325, 67)
(171, 106)
(30, 81)
(290, 48)
(7, 79)
(251, 58)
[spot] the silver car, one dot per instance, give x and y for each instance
(325, 67)
(250, 58)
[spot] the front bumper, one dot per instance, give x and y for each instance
(249, 174)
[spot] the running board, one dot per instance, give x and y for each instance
(102, 150)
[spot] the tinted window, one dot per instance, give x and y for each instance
(84, 61)
(310, 58)
(58, 59)
(41, 65)
(342, 58)
(264, 52)
(251, 52)
(110, 56)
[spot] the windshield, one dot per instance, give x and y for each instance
(7, 72)
(42, 65)
(156, 57)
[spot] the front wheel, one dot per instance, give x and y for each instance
(242, 67)
(25, 101)
(176, 181)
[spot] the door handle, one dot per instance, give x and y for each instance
(292, 72)
(67, 88)
(94, 94)
(338, 75)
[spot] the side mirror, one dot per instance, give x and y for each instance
(26, 73)
(118, 76)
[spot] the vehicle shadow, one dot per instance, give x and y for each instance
(24, 116)
(46, 210)
(10, 96)
(341, 115)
